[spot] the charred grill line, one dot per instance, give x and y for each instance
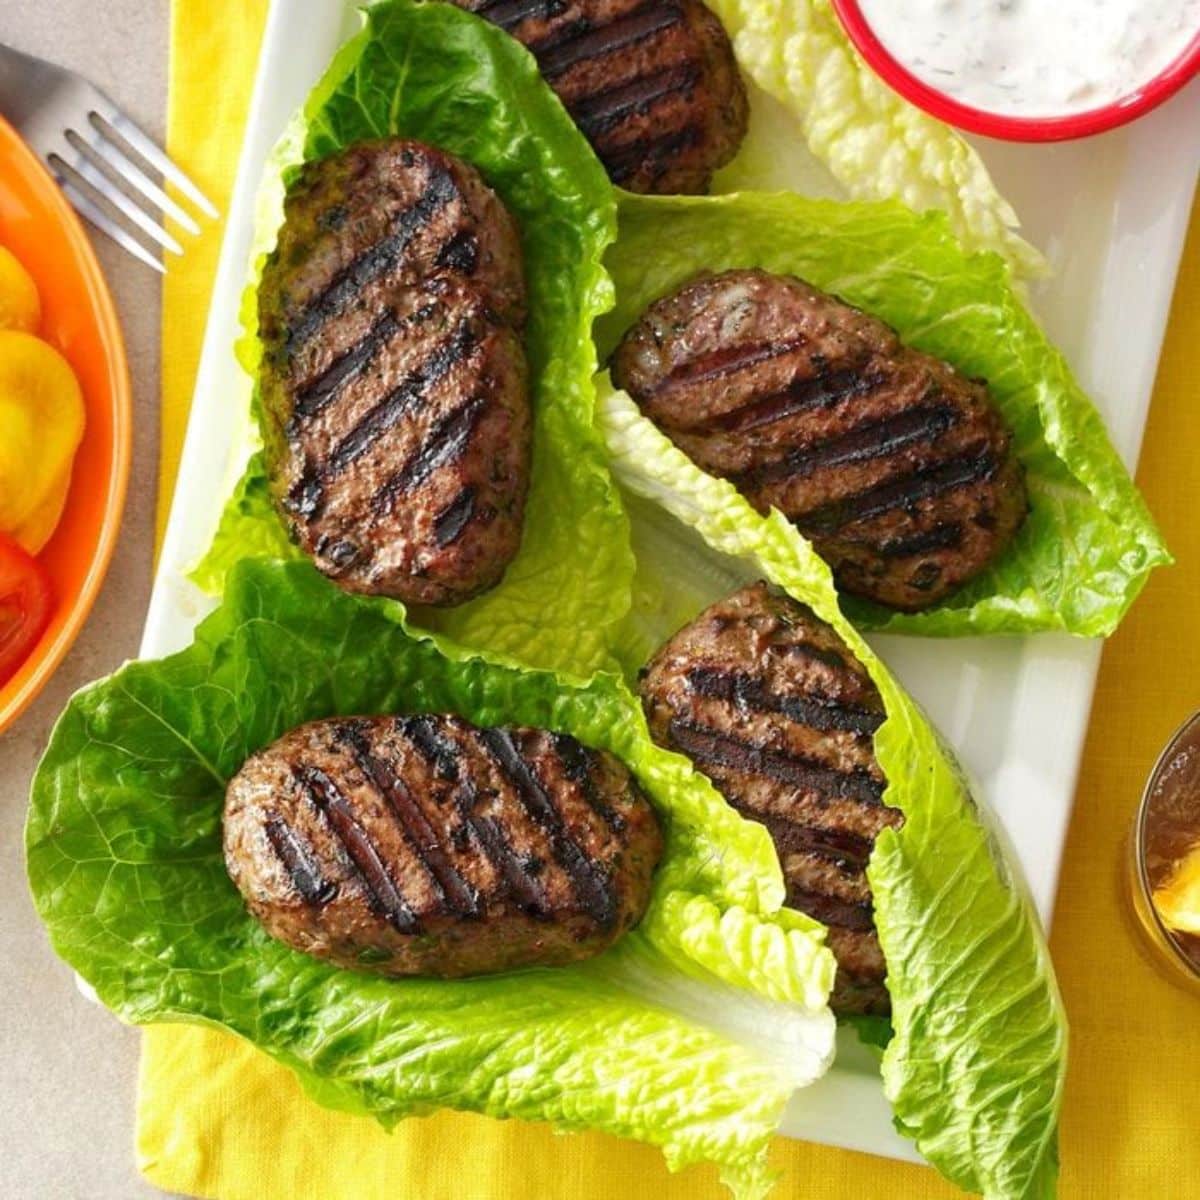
(442, 755)
(377, 260)
(730, 360)
(441, 361)
(446, 442)
(302, 868)
(385, 897)
(508, 14)
(421, 731)
(591, 886)
(449, 524)
(578, 41)
(460, 253)
(709, 746)
(454, 890)
(521, 882)
(824, 390)
(577, 763)
(904, 492)
(814, 711)
(944, 536)
(313, 397)
(624, 161)
(860, 444)
(829, 910)
(852, 851)
(597, 114)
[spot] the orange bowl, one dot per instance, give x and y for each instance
(78, 318)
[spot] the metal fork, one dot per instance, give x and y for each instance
(71, 125)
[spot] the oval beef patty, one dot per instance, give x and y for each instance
(652, 84)
(899, 469)
(767, 700)
(425, 846)
(394, 384)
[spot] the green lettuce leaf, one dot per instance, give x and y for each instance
(438, 74)
(975, 1067)
(689, 1034)
(810, 86)
(1089, 542)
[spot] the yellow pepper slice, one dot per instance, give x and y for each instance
(41, 424)
(20, 305)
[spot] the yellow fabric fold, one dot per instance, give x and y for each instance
(218, 1119)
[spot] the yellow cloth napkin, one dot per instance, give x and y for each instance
(217, 1118)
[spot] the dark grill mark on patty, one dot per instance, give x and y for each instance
(522, 883)
(324, 795)
(815, 711)
(904, 492)
(460, 253)
(945, 536)
(801, 396)
(716, 365)
(303, 870)
(599, 113)
(829, 910)
(574, 43)
(625, 161)
(588, 879)
(840, 846)
(313, 397)
(441, 754)
(508, 14)
(374, 262)
(456, 893)
(384, 415)
(454, 518)
(577, 763)
(714, 748)
(860, 444)
(445, 442)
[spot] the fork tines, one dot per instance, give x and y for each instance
(108, 168)
(94, 162)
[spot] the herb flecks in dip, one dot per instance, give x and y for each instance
(1026, 58)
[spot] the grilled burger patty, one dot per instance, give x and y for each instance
(767, 700)
(394, 383)
(898, 468)
(652, 84)
(425, 846)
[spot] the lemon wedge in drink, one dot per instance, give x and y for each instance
(1178, 900)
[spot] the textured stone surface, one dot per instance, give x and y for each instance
(66, 1125)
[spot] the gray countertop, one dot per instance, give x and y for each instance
(66, 1125)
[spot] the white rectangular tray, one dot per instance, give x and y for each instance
(1111, 214)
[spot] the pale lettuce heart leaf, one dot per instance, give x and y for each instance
(689, 1034)
(975, 1068)
(1089, 542)
(443, 76)
(873, 142)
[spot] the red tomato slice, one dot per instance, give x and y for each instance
(25, 604)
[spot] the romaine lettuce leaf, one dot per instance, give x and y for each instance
(436, 73)
(690, 1033)
(874, 143)
(975, 1068)
(1089, 542)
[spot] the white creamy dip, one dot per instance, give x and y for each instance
(1034, 58)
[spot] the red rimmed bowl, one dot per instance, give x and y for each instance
(893, 72)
